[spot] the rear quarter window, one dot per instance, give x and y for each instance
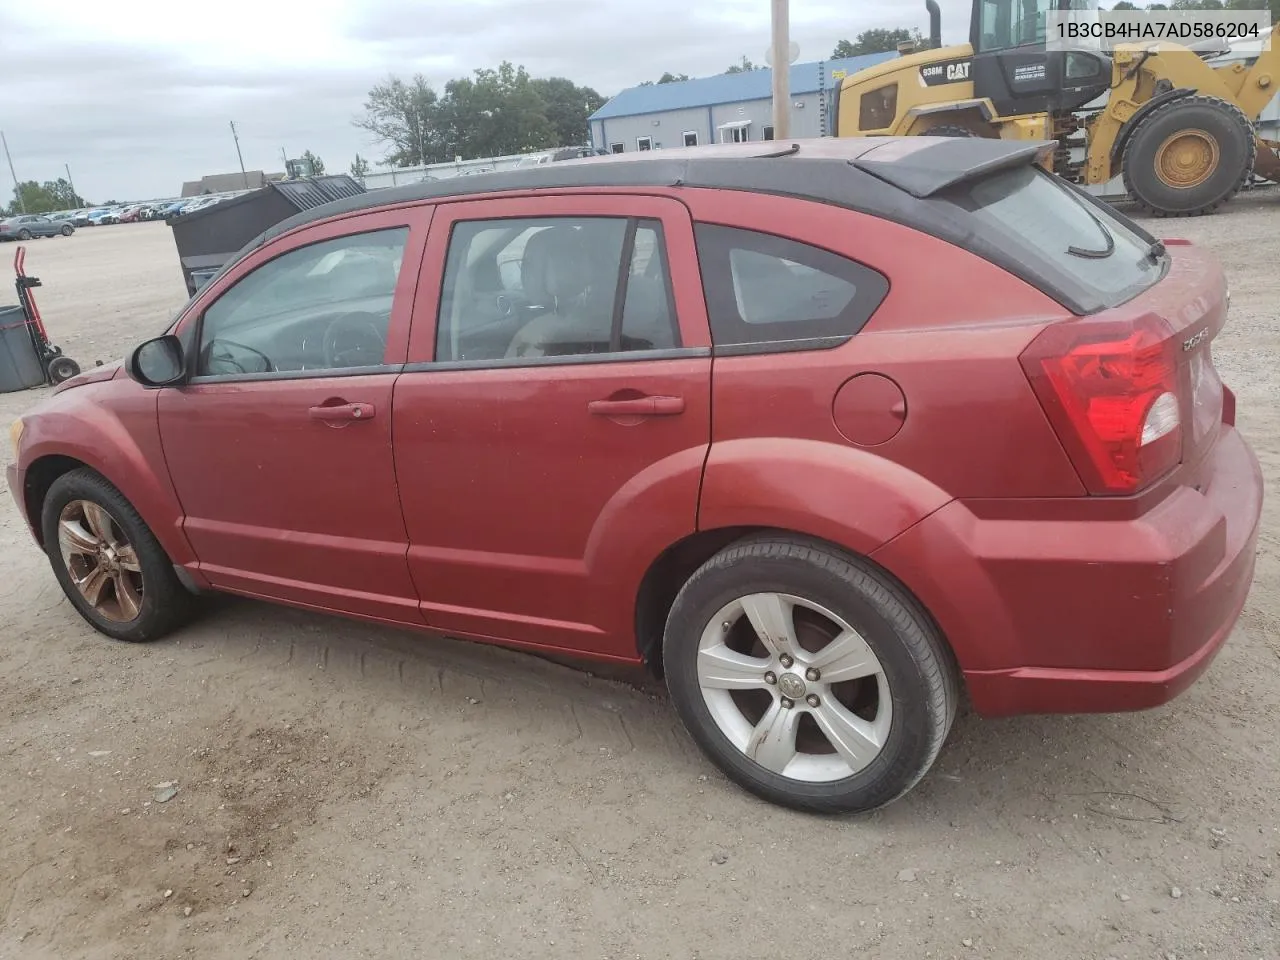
(1080, 250)
(765, 292)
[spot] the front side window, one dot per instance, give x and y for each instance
(768, 290)
(324, 306)
(554, 287)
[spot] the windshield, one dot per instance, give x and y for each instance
(1018, 23)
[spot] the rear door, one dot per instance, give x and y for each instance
(554, 417)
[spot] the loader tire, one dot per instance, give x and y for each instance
(949, 130)
(1188, 157)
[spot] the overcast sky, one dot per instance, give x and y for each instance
(136, 95)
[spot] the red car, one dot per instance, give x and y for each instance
(820, 432)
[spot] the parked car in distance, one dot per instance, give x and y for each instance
(101, 216)
(33, 225)
(818, 435)
(131, 214)
(77, 218)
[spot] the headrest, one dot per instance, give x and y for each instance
(555, 267)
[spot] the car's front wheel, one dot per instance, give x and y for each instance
(808, 676)
(66, 231)
(108, 562)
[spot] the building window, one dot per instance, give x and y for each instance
(644, 143)
(616, 148)
(768, 133)
(691, 138)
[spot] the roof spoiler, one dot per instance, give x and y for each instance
(924, 166)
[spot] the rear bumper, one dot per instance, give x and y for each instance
(1052, 608)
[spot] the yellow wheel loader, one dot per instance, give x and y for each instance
(1179, 129)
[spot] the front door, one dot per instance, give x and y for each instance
(552, 426)
(280, 445)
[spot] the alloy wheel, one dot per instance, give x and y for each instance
(102, 563)
(794, 687)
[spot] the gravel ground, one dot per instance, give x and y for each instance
(347, 791)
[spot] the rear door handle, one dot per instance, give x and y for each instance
(637, 407)
(340, 412)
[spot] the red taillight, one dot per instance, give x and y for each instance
(1112, 392)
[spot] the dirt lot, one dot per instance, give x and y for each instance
(345, 791)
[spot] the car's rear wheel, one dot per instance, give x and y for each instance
(808, 676)
(108, 562)
(24, 234)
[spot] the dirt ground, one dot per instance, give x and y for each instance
(345, 791)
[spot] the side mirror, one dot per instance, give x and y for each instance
(157, 363)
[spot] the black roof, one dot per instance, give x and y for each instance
(902, 179)
(849, 171)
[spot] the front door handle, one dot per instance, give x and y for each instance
(637, 407)
(341, 412)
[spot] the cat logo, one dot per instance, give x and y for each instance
(949, 71)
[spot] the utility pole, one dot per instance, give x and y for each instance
(16, 190)
(781, 70)
(238, 154)
(75, 197)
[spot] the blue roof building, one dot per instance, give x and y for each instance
(729, 108)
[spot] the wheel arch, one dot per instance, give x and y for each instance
(672, 569)
(40, 476)
(1116, 150)
(125, 467)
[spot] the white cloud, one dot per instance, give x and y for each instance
(136, 95)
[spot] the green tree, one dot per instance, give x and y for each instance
(746, 66)
(47, 197)
(567, 107)
(1125, 5)
(317, 165)
(667, 78)
(397, 114)
(498, 112)
(490, 113)
(878, 40)
(360, 168)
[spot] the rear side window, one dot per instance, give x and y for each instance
(1084, 248)
(768, 292)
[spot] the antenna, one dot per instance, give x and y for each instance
(236, 136)
(17, 190)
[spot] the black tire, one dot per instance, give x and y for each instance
(919, 669)
(166, 605)
(66, 231)
(1231, 133)
(24, 234)
(949, 130)
(62, 368)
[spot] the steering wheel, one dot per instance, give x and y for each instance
(355, 340)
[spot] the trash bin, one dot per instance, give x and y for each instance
(20, 367)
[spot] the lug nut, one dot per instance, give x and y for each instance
(785, 661)
(812, 700)
(771, 678)
(725, 626)
(812, 675)
(787, 704)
